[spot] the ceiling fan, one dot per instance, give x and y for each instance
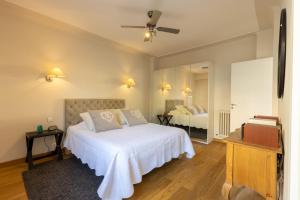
(154, 16)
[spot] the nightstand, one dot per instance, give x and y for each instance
(30, 136)
(164, 119)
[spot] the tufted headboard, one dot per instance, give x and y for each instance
(73, 107)
(171, 103)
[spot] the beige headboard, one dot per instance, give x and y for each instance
(171, 103)
(73, 107)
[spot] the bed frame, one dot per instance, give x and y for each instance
(73, 107)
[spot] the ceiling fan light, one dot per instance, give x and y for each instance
(147, 34)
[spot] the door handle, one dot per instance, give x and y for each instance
(232, 105)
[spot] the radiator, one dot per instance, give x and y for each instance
(224, 123)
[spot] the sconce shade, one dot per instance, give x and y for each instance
(130, 83)
(54, 73)
(166, 87)
(187, 91)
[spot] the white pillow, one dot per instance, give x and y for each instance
(86, 117)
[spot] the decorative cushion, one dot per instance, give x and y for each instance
(134, 117)
(104, 120)
(121, 118)
(86, 117)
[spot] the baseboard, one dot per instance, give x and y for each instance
(12, 162)
(23, 160)
(219, 140)
(199, 141)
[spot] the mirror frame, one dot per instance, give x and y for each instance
(281, 55)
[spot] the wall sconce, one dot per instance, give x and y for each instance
(54, 73)
(130, 83)
(166, 87)
(187, 91)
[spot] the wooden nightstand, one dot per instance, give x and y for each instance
(30, 136)
(251, 165)
(164, 119)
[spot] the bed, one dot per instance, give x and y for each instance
(122, 156)
(199, 121)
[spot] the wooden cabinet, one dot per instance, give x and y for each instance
(253, 166)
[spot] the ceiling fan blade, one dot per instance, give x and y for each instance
(155, 15)
(168, 30)
(128, 26)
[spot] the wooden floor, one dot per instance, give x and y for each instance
(199, 178)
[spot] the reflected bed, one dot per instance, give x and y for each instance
(199, 121)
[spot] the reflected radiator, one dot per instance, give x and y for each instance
(224, 123)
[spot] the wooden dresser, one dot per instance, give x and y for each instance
(251, 165)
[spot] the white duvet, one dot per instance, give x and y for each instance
(196, 120)
(122, 156)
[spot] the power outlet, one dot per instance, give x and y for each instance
(49, 119)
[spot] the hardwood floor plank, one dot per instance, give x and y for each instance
(188, 179)
(182, 194)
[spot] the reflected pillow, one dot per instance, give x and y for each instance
(104, 120)
(183, 109)
(200, 109)
(134, 117)
(175, 112)
(193, 110)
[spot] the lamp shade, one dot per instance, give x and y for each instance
(130, 83)
(54, 73)
(166, 87)
(187, 91)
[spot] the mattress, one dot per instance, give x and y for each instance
(122, 156)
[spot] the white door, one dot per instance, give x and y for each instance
(251, 90)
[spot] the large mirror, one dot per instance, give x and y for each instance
(180, 97)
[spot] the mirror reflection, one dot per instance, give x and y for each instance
(180, 98)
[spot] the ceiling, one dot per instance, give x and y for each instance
(199, 69)
(201, 22)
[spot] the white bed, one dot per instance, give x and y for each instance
(196, 120)
(122, 156)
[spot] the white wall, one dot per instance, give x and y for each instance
(31, 44)
(264, 43)
(221, 55)
(295, 125)
(285, 104)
